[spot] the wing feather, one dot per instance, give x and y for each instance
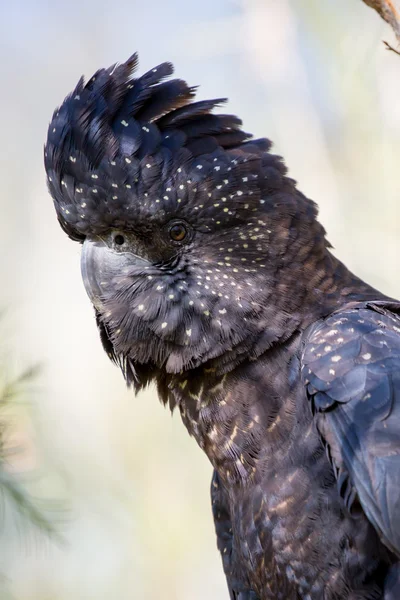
(351, 369)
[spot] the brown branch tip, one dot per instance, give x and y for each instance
(389, 13)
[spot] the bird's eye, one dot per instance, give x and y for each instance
(178, 232)
(119, 240)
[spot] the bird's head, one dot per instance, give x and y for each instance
(190, 228)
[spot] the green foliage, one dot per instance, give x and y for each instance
(14, 494)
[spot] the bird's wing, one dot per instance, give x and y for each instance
(238, 588)
(351, 369)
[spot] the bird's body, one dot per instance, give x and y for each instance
(211, 276)
(282, 529)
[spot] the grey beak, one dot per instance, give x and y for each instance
(101, 266)
(95, 269)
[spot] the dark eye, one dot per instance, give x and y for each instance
(119, 239)
(178, 232)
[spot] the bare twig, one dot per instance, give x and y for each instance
(389, 12)
(389, 47)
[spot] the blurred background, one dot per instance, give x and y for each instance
(312, 75)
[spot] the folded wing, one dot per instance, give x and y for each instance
(351, 370)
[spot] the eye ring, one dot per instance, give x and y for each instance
(178, 232)
(119, 239)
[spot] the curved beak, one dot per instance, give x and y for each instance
(94, 268)
(99, 265)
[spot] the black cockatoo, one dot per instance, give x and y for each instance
(211, 276)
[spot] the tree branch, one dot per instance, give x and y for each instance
(389, 13)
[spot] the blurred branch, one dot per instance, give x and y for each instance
(389, 13)
(10, 484)
(15, 488)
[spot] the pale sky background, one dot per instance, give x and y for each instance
(313, 76)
